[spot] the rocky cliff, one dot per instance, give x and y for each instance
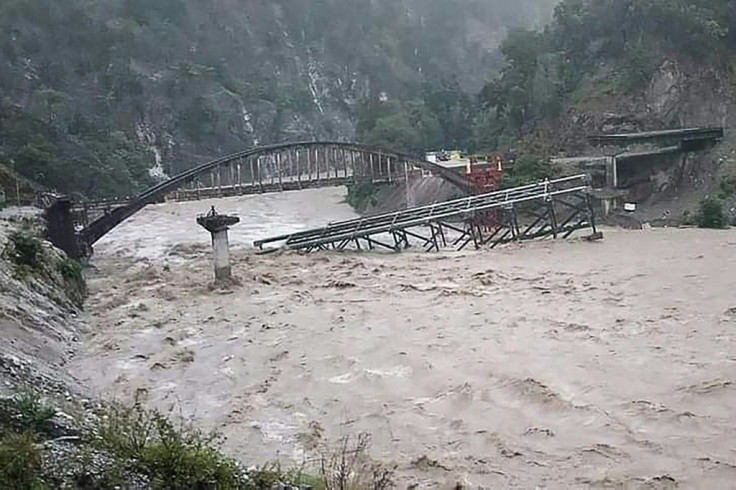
(40, 295)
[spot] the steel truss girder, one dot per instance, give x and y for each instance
(526, 213)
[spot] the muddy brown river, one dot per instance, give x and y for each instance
(554, 364)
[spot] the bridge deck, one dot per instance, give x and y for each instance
(557, 207)
(681, 135)
(243, 190)
(638, 155)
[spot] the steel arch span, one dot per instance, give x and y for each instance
(275, 168)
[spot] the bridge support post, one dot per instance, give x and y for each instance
(611, 172)
(218, 226)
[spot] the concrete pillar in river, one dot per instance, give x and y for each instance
(218, 225)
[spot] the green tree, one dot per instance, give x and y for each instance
(409, 127)
(511, 97)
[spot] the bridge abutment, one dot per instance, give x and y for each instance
(61, 230)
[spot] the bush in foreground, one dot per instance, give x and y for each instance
(171, 456)
(20, 462)
(25, 250)
(131, 447)
(349, 467)
(24, 420)
(711, 214)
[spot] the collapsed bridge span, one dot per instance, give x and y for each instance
(554, 208)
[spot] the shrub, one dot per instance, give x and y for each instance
(20, 462)
(364, 195)
(25, 250)
(32, 413)
(525, 170)
(727, 188)
(71, 270)
(81, 467)
(711, 214)
(171, 456)
(183, 458)
(273, 476)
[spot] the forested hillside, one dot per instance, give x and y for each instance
(94, 93)
(614, 64)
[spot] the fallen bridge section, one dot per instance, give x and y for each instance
(554, 208)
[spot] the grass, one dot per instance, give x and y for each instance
(26, 412)
(20, 462)
(134, 440)
(32, 414)
(177, 456)
(24, 419)
(349, 467)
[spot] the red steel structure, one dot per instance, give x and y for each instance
(484, 180)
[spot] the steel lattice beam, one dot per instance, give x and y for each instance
(550, 208)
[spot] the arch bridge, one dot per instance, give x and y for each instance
(275, 168)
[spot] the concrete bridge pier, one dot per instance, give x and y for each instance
(218, 226)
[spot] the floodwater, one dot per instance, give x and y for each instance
(554, 364)
(161, 229)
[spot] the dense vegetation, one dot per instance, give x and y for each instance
(95, 93)
(599, 46)
(441, 116)
(591, 48)
(92, 93)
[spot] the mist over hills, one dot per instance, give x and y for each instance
(95, 93)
